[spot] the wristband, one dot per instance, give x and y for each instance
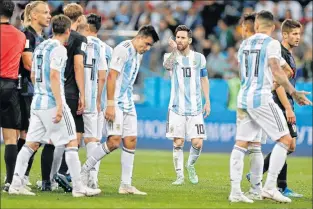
(110, 103)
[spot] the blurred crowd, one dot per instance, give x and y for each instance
(216, 32)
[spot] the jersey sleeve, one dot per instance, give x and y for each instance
(30, 44)
(81, 46)
(119, 57)
(58, 58)
(203, 70)
(282, 61)
(274, 50)
(103, 65)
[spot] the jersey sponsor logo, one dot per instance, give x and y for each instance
(27, 44)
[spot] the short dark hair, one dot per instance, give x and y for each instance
(94, 21)
(248, 19)
(60, 23)
(148, 30)
(265, 15)
(183, 28)
(7, 8)
(290, 24)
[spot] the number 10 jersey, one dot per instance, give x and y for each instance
(186, 97)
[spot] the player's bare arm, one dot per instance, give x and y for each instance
(110, 111)
(27, 60)
(56, 90)
(79, 77)
(287, 69)
(205, 85)
(281, 93)
(169, 62)
(282, 79)
(101, 82)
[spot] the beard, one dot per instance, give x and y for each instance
(181, 47)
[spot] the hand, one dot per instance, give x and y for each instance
(206, 109)
(110, 113)
(58, 115)
(172, 44)
(300, 98)
(290, 115)
(81, 105)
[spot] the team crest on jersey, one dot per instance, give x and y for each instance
(83, 46)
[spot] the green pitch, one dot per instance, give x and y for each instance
(154, 174)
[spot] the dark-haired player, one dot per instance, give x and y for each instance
(120, 111)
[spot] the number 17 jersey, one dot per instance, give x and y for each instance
(255, 72)
(186, 97)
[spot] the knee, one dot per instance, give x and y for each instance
(178, 142)
(33, 145)
(197, 143)
(242, 144)
(130, 142)
(113, 142)
(254, 147)
(286, 140)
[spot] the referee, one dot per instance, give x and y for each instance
(74, 84)
(12, 45)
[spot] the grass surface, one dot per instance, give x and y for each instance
(154, 173)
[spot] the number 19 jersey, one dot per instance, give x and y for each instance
(95, 60)
(186, 97)
(50, 54)
(256, 75)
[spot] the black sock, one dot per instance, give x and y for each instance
(266, 162)
(282, 178)
(30, 163)
(46, 161)
(20, 144)
(10, 154)
(63, 168)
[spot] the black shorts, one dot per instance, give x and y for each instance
(292, 128)
(79, 123)
(25, 102)
(10, 113)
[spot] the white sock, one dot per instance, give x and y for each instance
(127, 161)
(74, 166)
(193, 155)
(256, 168)
(178, 159)
(277, 161)
(57, 160)
(98, 153)
(21, 165)
(236, 168)
(93, 173)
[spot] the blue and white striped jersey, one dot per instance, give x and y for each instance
(186, 96)
(95, 61)
(50, 54)
(108, 56)
(126, 61)
(256, 75)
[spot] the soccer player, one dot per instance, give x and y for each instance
(95, 73)
(291, 32)
(13, 44)
(50, 115)
(259, 62)
(188, 76)
(36, 18)
(120, 111)
(74, 85)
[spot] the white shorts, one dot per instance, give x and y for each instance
(268, 118)
(189, 127)
(90, 125)
(100, 125)
(260, 137)
(42, 128)
(124, 124)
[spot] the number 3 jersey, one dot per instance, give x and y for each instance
(95, 60)
(186, 97)
(256, 75)
(50, 54)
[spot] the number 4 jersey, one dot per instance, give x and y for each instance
(256, 75)
(50, 54)
(186, 97)
(95, 60)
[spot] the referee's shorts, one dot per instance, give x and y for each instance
(10, 113)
